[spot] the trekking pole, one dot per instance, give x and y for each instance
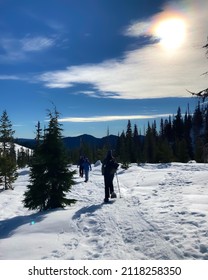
(118, 185)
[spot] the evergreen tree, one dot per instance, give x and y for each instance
(8, 168)
(187, 133)
(181, 151)
(197, 122)
(136, 153)
(38, 133)
(129, 142)
(162, 131)
(168, 130)
(150, 144)
(178, 125)
(50, 178)
(165, 153)
(199, 150)
(122, 149)
(23, 157)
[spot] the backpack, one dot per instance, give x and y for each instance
(111, 166)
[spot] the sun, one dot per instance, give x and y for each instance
(171, 32)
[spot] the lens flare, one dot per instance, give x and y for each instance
(170, 29)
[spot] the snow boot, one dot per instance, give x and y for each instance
(106, 200)
(113, 195)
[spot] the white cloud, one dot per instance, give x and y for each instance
(17, 49)
(138, 29)
(39, 43)
(111, 118)
(9, 77)
(148, 72)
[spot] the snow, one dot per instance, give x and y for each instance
(162, 214)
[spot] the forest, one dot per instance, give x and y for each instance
(180, 138)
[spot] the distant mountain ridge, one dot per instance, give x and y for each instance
(73, 142)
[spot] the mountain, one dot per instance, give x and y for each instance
(28, 143)
(75, 142)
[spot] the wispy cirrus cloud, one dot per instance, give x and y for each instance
(17, 49)
(111, 118)
(147, 72)
(34, 44)
(9, 77)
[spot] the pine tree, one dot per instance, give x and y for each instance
(38, 133)
(168, 130)
(50, 178)
(178, 126)
(122, 149)
(197, 122)
(8, 168)
(136, 145)
(150, 144)
(187, 133)
(23, 157)
(181, 151)
(165, 153)
(129, 142)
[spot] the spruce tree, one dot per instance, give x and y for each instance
(23, 157)
(129, 142)
(150, 144)
(8, 168)
(178, 125)
(50, 178)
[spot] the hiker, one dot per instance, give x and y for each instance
(109, 167)
(87, 167)
(80, 165)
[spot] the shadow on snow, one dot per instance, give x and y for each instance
(8, 226)
(90, 209)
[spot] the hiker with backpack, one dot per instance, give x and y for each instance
(109, 167)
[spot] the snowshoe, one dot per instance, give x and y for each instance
(113, 195)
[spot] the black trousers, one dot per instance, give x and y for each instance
(81, 171)
(108, 180)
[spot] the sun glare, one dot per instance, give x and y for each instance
(171, 32)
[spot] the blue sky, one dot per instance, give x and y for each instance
(101, 62)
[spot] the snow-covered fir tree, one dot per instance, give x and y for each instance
(50, 178)
(8, 168)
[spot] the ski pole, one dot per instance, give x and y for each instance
(118, 185)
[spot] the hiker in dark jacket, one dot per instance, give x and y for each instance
(87, 167)
(80, 165)
(109, 168)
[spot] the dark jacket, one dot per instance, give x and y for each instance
(86, 165)
(109, 165)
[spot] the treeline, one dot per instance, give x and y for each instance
(10, 158)
(179, 138)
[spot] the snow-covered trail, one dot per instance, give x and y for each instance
(118, 230)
